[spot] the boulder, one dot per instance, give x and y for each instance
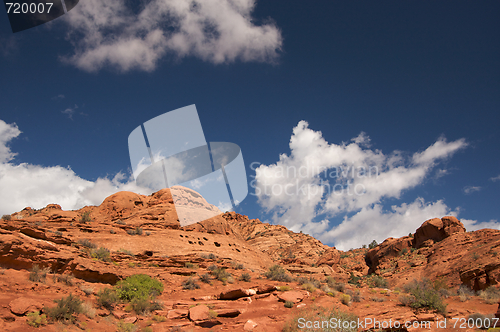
(199, 313)
(23, 305)
(292, 296)
(437, 230)
(236, 294)
(250, 325)
(330, 257)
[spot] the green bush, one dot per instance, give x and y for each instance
(101, 254)
(277, 273)
(377, 281)
(138, 286)
(86, 217)
(221, 274)
(190, 284)
(107, 298)
(38, 274)
(423, 295)
(6, 217)
(35, 319)
(318, 315)
(65, 310)
(373, 244)
(309, 287)
(345, 299)
(190, 265)
(353, 280)
(237, 266)
(145, 305)
(245, 277)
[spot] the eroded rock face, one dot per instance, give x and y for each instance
(437, 230)
(330, 257)
(390, 248)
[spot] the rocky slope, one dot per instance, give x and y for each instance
(142, 235)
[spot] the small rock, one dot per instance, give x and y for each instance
(250, 325)
(130, 320)
(177, 314)
(228, 312)
(266, 289)
(199, 313)
(119, 314)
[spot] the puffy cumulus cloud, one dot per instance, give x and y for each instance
(347, 180)
(373, 223)
(23, 185)
(109, 32)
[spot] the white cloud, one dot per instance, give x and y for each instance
(496, 178)
(471, 189)
(36, 186)
(321, 179)
(58, 97)
(373, 223)
(108, 32)
(70, 111)
(474, 225)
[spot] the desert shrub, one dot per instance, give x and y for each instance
(212, 314)
(353, 280)
(377, 281)
(87, 290)
(373, 244)
(339, 287)
(38, 274)
(143, 305)
(147, 329)
(277, 273)
(423, 295)
(288, 304)
(107, 298)
(6, 217)
(135, 231)
(245, 277)
(377, 299)
(490, 295)
(321, 315)
(190, 265)
(138, 286)
(87, 244)
(58, 233)
(465, 293)
(66, 279)
(125, 327)
(356, 297)
(65, 310)
(190, 284)
(237, 266)
(212, 256)
(85, 217)
(481, 321)
(309, 287)
(345, 299)
(159, 319)
(102, 254)
(283, 288)
(212, 267)
(125, 251)
(120, 222)
(35, 319)
(221, 274)
(206, 278)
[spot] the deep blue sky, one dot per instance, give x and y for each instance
(404, 72)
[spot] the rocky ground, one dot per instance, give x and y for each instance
(87, 251)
